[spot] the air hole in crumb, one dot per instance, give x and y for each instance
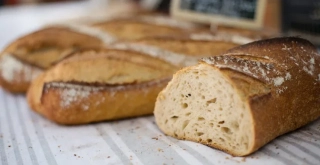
(220, 108)
(221, 139)
(185, 123)
(203, 97)
(225, 130)
(200, 139)
(211, 124)
(235, 125)
(184, 105)
(209, 140)
(209, 110)
(221, 122)
(165, 122)
(211, 101)
(200, 118)
(174, 99)
(200, 133)
(174, 118)
(241, 115)
(189, 113)
(196, 72)
(175, 135)
(189, 94)
(197, 77)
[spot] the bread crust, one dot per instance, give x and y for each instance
(78, 99)
(279, 81)
(36, 52)
(103, 102)
(284, 105)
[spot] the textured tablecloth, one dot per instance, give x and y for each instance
(28, 138)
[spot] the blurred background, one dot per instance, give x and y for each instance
(286, 17)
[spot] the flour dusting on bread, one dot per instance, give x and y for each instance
(71, 93)
(173, 58)
(104, 36)
(11, 67)
(239, 101)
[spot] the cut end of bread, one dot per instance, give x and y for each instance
(207, 109)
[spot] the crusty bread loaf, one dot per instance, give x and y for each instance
(99, 84)
(135, 27)
(180, 51)
(27, 57)
(241, 100)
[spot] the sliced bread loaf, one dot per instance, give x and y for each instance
(241, 100)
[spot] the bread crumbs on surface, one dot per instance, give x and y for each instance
(156, 138)
(108, 157)
(75, 154)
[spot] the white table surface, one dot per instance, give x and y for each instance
(27, 138)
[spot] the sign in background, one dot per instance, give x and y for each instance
(237, 13)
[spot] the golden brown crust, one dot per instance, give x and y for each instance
(130, 29)
(28, 56)
(287, 72)
(45, 46)
(102, 102)
(189, 47)
(93, 85)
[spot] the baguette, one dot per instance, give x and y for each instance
(27, 57)
(180, 51)
(130, 28)
(99, 84)
(241, 100)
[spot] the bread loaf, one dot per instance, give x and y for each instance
(135, 27)
(241, 100)
(27, 57)
(180, 51)
(99, 84)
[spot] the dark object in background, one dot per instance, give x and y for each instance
(302, 18)
(164, 6)
(231, 8)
